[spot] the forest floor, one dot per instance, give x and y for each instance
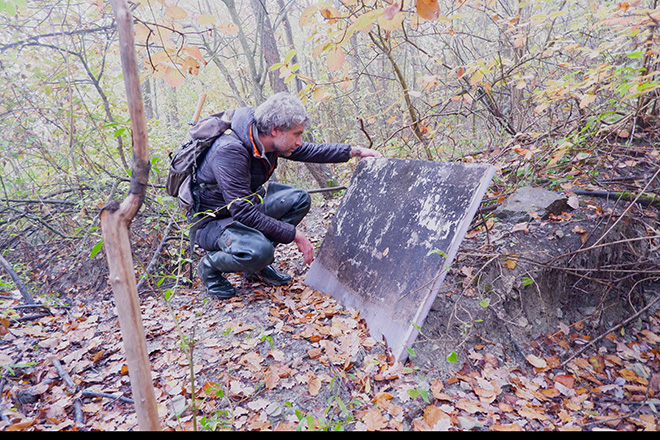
(291, 358)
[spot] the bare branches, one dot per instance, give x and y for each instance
(620, 325)
(36, 38)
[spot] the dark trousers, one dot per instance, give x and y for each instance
(235, 247)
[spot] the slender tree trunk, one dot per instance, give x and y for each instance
(148, 102)
(255, 80)
(288, 33)
(385, 50)
(647, 102)
(320, 172)
(115, 221)
(268, 45)
(230, 81)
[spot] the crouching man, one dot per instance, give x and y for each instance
(248, 220)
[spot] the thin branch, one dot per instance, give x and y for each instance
(36, 38)
(17, 280)
(610, 331)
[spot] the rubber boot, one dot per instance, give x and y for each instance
(217, 285)
(269, 276)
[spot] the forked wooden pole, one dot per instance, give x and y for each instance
(115, 221)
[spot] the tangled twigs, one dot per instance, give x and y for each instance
(613, 329)
(41, 221)
(623, 416)
(156, 256)
(643, 191)
(595, 246)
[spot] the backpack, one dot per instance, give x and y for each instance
(185, 159)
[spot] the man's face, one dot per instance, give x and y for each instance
(285, 141)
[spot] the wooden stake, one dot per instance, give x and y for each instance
(115, 221)
(198, 110)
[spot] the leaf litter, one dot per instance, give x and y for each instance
(290, 358)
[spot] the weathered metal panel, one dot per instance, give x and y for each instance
(397, 230)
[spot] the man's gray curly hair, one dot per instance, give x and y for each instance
(282, 111)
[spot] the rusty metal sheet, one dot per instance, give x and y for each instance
(393, 237)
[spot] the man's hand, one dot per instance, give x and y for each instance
(364, 152)
(304, 246)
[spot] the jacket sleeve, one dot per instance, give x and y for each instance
(321, 153)
(232, 168)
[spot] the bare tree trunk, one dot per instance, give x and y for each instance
(255, 80)
(320, 172)
(268, 45)
(115, 221)
(288, 33)
(230, 80)
(383, 46)
(647, 102)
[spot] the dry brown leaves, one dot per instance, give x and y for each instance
(282, 359)
(616, 389)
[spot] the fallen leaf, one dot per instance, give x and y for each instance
(20, 426)
(652, 337)
(433, 415)
(566, 380)
(536, 361)
(436, 388)
(271, 379)
(382, 397)
(487, 391)
(649, 422)
(314, 385)
(506, 428)
(583, 233)
(374, 420)
(551, 392)
(505, 407)
(573, 201)
(531, 413)
(258, 404)
(470, 406)
(520, 227)
(314, 353)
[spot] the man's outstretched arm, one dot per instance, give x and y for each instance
(364, 152)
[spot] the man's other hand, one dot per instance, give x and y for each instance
(304, 246)
(364, 152)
